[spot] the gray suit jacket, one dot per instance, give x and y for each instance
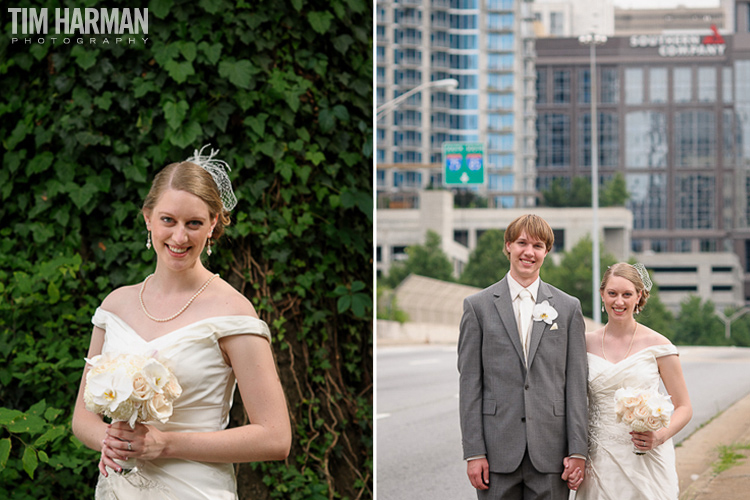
(506, 408)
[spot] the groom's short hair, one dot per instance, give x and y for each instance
(535, 227)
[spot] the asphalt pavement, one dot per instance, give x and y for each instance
(418, 442)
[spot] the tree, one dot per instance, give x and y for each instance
(425, 260)
(577, 193)
(574, 273)
(466, 198)
(614, 193)
(487, 263)
(697, 324)
(656, 315)
(564, 194)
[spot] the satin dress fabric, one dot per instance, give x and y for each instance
(194, 356)
(613, 471)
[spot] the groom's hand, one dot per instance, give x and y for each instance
(479, 473)
(575, 470)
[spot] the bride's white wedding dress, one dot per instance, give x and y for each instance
(614, 472)
(193, 354)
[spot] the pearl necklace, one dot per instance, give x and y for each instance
(162, 320)
(632, 338)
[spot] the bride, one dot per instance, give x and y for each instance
(208, 334)
(625, 353)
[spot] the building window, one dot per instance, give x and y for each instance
(636, 246)
(561, 87)
(609, 144)
(683, 85)
(659, 246)
(648, 200)
(556, 23)
(553, 140)
(461, 236)
(683, 245)
(707, 84)
(728, 117)
(379, 254)
(695, 202)
(541, 86)
(610, 88)
(708, 245)
(694, 138)
(398, 253)
(645, 139)
(726, 85)
(584, 86)
(633, 86)
(657, 85)
(380, 179)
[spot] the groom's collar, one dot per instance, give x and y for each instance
(515, 287)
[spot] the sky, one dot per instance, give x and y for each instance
(662, 4)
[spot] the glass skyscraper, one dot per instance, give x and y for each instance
(488, 47)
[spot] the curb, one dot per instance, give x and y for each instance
(696, 456)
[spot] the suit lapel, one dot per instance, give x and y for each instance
(538, 327)
(504, 306)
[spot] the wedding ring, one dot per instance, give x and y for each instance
(130, 447)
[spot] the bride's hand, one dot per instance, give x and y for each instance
(108, 459)
(144, 442)
(648, 440)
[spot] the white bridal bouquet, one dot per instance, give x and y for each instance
(643, 410)
(130, 388)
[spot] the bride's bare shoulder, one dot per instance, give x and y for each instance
(230, 302)
(652, 337)
(121, 299)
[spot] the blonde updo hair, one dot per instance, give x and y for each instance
(191, 178)
(630, 273)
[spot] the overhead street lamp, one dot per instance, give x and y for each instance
(449, 84)
(592, 40)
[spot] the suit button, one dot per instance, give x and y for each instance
(523, 419)
(526, 387)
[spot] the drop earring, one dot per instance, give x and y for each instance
(603, 308)
(148, 240)
(208, 244)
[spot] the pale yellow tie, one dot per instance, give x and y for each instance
(525, 310)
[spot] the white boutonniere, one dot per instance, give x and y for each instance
(544, 312)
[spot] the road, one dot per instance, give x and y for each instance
(418, 441)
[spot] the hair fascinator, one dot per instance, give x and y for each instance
(218, 170)
(647, 283)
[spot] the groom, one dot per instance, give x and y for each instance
(523, 376)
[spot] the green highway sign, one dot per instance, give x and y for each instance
(464, 163)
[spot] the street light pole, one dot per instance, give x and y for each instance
(448, 83)
(592, 41)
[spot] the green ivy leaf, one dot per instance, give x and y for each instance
(212, 52)
(179, 71)
(297, 4)
(40, 163)
(53, 293)
(30, 461)
(7, 415)
(238, 72)
(26, 423)
(104, 101)
(5, 445)
(160, 8)
(186, 135)
(320, 21)
(175, 113)
(316, 157)
(342, 43)
(188, 50)
(344, 302)
(84, 58)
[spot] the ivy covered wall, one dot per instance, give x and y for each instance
(284, 89)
